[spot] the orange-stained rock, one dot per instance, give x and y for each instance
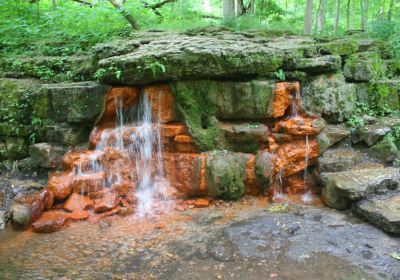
(251, 183)
(109, 201)
(89, 183)
(172, 129)
(43, 201)
(124, 187)
(77, 202)
(283, 98)
(128, 96)
(184, 144)
(296, 126)
(81, 159)
(290, 157)
(50, 221)
(186, 172)
(199, 202)
(79, 215)
(60, 184)
(162, 101)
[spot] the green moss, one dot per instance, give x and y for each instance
(340, 47)
(366, 66)
(195, 104)
(383, 96)
(226, 173)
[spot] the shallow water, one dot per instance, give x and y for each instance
(250, 239)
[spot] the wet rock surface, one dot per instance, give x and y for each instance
(381, 210)
(341, 188)
(341, 159)
(247, 240)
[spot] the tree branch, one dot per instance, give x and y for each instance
(125, 14)
(160, 4)
(84, 3)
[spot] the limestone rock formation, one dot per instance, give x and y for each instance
(341, 188)
(381, 210)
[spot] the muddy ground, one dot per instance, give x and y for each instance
(250, 239)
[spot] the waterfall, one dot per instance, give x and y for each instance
(133, 156)
(296, 104)
(306, 197)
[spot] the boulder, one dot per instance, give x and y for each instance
(50, 221)
(381, 210)
(341, 188)
(60, 184)
(370, 134)
(46, 155)
(384, 151)
(109, 201)
(384, 94)
(364, 67)
(181, 56)
(331, 135)
(226, 174)
(244, 137)
(77, 202)
(264, 169)
(21, 215)
(362, 92)
(43, 201)
(337, 160)
(329, 96)
(320, 64)
(71, 102)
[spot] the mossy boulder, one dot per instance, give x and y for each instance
(71, 102)
(384, 151)
(364, 67)
(319, 64)
(341, 46)
(384, 94)
(174, 56)
(226, 174)
(244, 137)
(362, 94)
(264, 169)
(329, 96)
(202, 104)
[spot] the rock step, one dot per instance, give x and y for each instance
(382, 211)
(340, 189)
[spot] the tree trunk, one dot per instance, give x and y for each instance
(362, 14)
(366, 13)
(53, 4)
(125, 14)
(348, 15)
(390, 11)
(337, 16)
(239, 8)
(308, 17)
(228, 9)
(321, 16)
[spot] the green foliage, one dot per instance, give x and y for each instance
(280, 75)
(157, 67)
(112, 70)
(388, 31)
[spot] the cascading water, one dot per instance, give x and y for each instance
(136, 143)
(306, 197)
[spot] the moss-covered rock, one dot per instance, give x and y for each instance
(319, 64)
(384, 94)
(343, 46)
(364, 67)
(329, 96)
(244, 137)
(71, 102)
(201, 104)
(264, 169)
(182, 56)
(226, 173)
(384, 151)
(331, 135)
